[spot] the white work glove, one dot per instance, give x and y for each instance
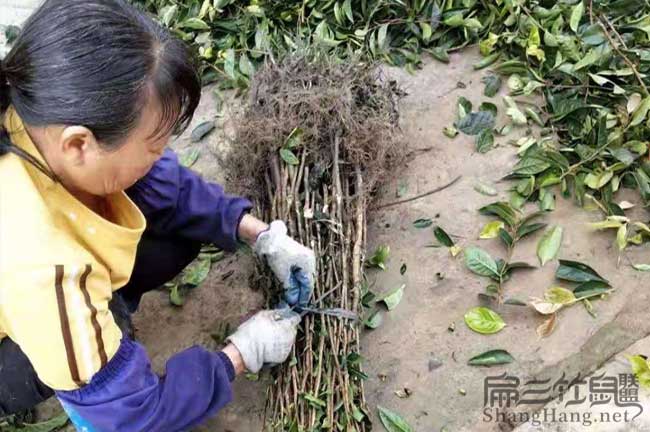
(293, 264)
(266, 338)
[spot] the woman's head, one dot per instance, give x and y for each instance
(101, 88)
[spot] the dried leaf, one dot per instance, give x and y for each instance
(547, 327)
(545, 307)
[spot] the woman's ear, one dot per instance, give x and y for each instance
(76, 143)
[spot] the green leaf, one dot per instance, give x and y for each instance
(51, 425)
(489, 107)
(246, 66)
(506, 237)
(189, 157)
(422, 223)
(641, 112)
(549, 245)
(513, 111)
(374, 320)
(531, 165)
(313, 400)
(621, 237)
(440, 54)
(491, 358)
(392, 298)
(598, 179)
(289, 157)
(201, 131)
(526, 186)
(194, 24)
(392, 421)
(381, 36)
(475, 122)
(379, 258)
(426, 31)
(502, 210)
(450, 132)
(196, 273)
(535, 117)
(591, 288)
(347, 8)
(576, 15)
(229, 63)
(491, 230)
(485, 189)
(641, 369)
(527, 229)
(642, 267)
(168, 14)
(464, 107)
(455, 20)
(294, 139)
(175, 296)
(485, 141)
(577, 272)
(483, 320)
(443, 237)
(11, 33)
(559, 295)
(480, 262)
(487, 61)
(492, 85)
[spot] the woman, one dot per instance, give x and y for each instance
(95, 211)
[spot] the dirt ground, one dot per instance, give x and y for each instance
(413, 348)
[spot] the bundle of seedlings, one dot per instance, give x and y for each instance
(312, 142)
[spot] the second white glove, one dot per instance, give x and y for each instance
(266, 338)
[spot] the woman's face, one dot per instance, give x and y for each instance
(84, 165)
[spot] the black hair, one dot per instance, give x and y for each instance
(96, 63)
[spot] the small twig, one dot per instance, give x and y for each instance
(618, 35)
(627, 60)
(591, 11)
(419, 150)
(417, 197)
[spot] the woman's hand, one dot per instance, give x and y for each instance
(293, 264)
(266, 338)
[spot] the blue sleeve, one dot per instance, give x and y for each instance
(126, 396)
(176, 200)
